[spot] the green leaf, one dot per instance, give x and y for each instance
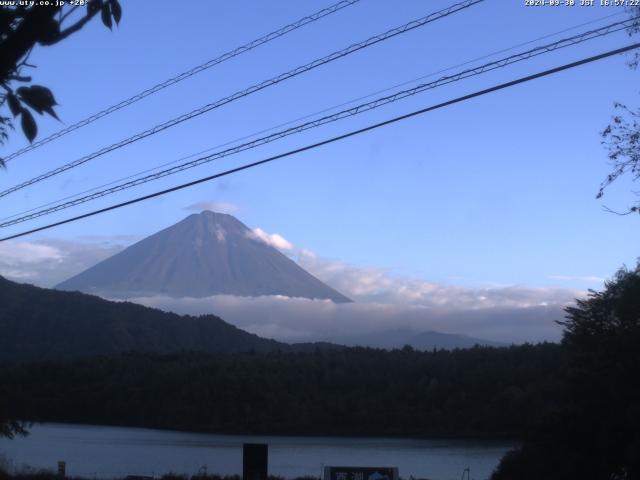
(52, 112)
(44, 93)
(29, 126)
(39, 98)
(14, 104)
(106, 16)
(116, 10)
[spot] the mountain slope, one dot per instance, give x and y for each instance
(204, 254)
(43, 324)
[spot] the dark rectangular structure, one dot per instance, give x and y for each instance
(255, 461)
(360, 473)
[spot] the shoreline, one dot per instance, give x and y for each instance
(230, 433)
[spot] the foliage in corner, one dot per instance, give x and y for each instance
(595, 434)
(622, 139)
(622, 136)
(22, 27)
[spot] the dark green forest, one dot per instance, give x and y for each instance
(574, 406)
(358, 391)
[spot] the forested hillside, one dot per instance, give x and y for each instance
(43, 324)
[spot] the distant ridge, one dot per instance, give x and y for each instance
(205, 254)
(427, 340)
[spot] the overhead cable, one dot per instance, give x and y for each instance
(187, 74)
(250, 90)
(350, 112)
(309, 115)
(332, 139)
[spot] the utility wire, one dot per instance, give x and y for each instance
(310, 115)
(189, 73)
(254, 88)
(334, 139)
(609, 29)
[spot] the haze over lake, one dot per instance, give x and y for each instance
(111, 452)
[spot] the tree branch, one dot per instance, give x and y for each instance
(621, 214)
(26, 35)
(71, 10)
(76, 26)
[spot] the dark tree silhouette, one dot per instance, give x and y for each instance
(622, 135)
(596, 435)
(11, 428)
(22, 27)
(8, 427)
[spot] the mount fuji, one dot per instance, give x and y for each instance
(203, 255)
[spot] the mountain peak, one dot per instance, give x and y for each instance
(207, 253)
(211, 215)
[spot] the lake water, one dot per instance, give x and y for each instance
(110, 452)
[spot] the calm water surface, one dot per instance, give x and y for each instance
(109, 452)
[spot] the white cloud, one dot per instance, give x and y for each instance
(369, 284)
(18, 253)
(48, 262)
(377, 285)
(382, 302)
(219, 207)
(300, 319)
(273, 239)
(579, 278)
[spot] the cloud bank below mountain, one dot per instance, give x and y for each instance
(383, 301)
(300, 320)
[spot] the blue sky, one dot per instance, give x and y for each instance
(496, 191)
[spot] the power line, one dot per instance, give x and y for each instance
(187, 74)
(310, 115)
(501, 63)
(334, 117)
(254, 88)
(335, 139)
